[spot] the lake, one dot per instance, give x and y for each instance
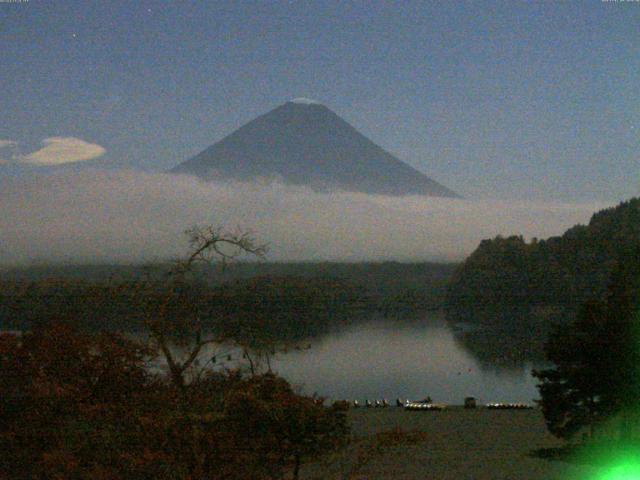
(384, 358)
(389, 359)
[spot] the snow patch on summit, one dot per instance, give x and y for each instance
(305, 101)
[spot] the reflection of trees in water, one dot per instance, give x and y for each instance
(521, 288)
(266, 313)
(504, 348)
(507, 336)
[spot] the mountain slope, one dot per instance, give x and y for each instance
(511, 293)
(507, 279)
(305, 143)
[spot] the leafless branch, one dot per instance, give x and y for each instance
(208, 244)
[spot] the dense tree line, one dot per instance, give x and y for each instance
(510, 283)
(375, 286)
(285, 308)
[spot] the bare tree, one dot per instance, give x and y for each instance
(210, 244)
(182, 303)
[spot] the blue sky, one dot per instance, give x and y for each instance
(507, 100)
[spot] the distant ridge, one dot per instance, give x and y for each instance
(305, 143)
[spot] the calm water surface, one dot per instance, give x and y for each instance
(389, 359)
(378, 360)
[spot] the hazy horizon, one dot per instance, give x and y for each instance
(127, 216)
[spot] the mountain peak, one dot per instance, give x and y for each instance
(305, 101)
(305, 143)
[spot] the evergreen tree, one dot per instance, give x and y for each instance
(597, 359)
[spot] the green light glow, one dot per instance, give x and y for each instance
(615, 461)
(608, 457)
(626, 470)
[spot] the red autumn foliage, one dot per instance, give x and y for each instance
(80, 406)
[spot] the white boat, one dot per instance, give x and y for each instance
(423, 406)
(509, 406)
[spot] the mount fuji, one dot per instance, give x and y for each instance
(302, 142)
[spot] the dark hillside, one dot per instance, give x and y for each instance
(507, 281)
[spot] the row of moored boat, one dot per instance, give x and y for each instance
(427, 404)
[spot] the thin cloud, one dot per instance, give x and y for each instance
(95, 216)
(61, 150)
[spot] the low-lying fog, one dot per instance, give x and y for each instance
(125, 216)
